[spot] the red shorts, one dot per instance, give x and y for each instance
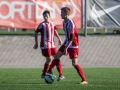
(73, 52)
(49, 52)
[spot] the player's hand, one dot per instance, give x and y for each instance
(60, 42)
(35, 46)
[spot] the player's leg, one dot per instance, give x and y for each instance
(46, 66)
(59, 65)
(47, 54)
(56, 59)
(73, 53)
(79, 70)
(56, 62)
(54, 51)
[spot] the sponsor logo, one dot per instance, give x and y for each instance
(97, 14)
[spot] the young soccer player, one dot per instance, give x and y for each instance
(47, 45)
(70, 46)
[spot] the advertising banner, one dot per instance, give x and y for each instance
(28, 13)
(103, 13)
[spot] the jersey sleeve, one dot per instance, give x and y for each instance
(55, 28)
(71, 27)
(39, 28)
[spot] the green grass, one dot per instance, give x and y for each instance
(29, 79)
(60, 31)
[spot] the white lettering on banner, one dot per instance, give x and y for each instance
(19, 10)
(59, 10)
(12, 10)
(53, 13)
(29, 10)
(39, 16)
(9, 6)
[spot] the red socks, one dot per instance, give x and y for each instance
(80, 72)
(57, 63)
(52, 65)
(59, 67)
(46, 67)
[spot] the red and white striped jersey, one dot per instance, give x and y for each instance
(70, 28)
(47, 34)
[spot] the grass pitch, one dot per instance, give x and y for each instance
(60, 31)
(29, 79)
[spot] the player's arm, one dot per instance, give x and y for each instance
(57, 35)
(36, 35)
(70, 39)
(36, 39)
(69, 42)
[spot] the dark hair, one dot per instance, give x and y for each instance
(66, 10)
(46, 11)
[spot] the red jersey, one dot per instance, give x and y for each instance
(47, 34)
(70, 28)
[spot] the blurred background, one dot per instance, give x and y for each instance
(98, 23)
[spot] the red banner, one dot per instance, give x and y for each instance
(28, 13)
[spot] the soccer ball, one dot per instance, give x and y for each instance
(49, 78)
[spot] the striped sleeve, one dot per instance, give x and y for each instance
(55, 28)
(39, 28)
(71, 27)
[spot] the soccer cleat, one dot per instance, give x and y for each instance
(83, 82)
(42, 76)
(50, 72)
(54, 75)
(60, 78)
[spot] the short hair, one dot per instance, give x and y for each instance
(46, 12)
(66, 10)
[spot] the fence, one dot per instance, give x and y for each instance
(95, 51)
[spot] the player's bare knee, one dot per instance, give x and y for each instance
(74, 64)
(56, 56)
(48, 61)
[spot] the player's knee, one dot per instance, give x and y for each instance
(48, 61)
(74, 64)
(56, 56)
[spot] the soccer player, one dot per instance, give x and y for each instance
(70, 46)
(47, 44)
